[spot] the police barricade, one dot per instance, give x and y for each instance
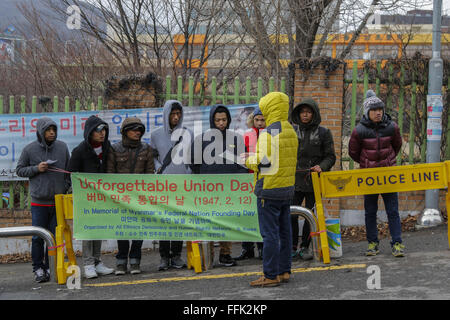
(63, 237)
(198, 256)
(336, 184)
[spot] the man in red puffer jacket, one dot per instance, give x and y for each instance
(375, 142)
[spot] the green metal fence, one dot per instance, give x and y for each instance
(406, 102)
(223, 91)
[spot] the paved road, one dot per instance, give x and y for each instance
(423, 274)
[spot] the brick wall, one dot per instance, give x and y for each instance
(413, 201)
(14, 218)
(328, 92)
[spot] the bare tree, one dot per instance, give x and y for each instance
(302, 20)
(49, 64)
(178, 37)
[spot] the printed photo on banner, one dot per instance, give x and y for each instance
(18, 130)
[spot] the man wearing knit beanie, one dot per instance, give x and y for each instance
(372, 102)
(375, 142)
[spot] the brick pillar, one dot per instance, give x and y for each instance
(328, 92)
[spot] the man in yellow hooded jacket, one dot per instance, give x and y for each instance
(274, 163)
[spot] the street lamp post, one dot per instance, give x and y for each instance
(431, 215)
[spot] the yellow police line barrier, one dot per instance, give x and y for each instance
(335, 184)
(199, 255)
(63, 237)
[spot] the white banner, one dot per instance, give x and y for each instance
(18, 130)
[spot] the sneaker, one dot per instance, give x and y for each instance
(121, 269)
(102, 270)
(47, 274)
(245, 254)
(40, 276)
(305, 253)
(398, 250)
(294, 253)
(372, 250)
(177, 263)
(284, 277)
(164, 264)
(265, 282)
(135, 269)
(89, 272)
(226, 260)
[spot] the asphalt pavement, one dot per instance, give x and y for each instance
(423, 274)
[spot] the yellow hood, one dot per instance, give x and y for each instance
(274, 107)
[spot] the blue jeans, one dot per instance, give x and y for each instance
(275, 226)
(44, 217)
(391, 206)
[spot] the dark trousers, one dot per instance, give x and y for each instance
(169, 249)
(249, 246)
(125, 252)
(310, 201)
(275, 227)
(391, 206)
(44, 217)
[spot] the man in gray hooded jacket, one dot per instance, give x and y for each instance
(46, 180)
(169, 142)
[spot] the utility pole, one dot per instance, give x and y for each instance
(431, 216)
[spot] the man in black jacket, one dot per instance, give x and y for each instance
(315, 154)
(223, 158)
(91, 156)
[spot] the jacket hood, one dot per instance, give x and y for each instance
(274, 107)
(316, 119)
(167, 109)
(214, 111)
(42, 125)
(91, 123)
(251, 117)
(131, 122)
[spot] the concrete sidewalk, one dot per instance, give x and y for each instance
(422, 274)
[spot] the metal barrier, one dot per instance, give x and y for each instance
(309, 216)
(199, 252)
(39, 232)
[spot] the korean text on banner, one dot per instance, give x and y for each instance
(218, 207)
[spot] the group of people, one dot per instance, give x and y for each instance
(281, 179)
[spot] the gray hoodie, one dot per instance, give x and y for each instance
(44, 186)
(161, 140)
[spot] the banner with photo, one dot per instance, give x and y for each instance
(18, 130)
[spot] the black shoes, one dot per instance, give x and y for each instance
(41, 276)
(226, 260)
(174, 262)
(245, 254)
